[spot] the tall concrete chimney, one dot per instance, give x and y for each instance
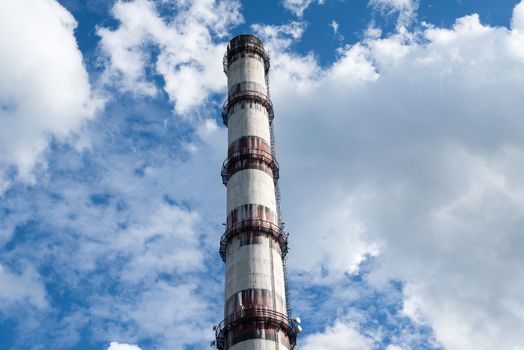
(254, 245)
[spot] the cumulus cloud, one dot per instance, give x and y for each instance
(339, 337)
(166, 243)
(187, 54)
(406, 10)
(174, 315)
(122, 346)
(133, 242)
(517, 22)
(127, 243)
(297, 7)
(280, 37)
(517, 26)
(334, 26)
(411, 148)
(44, 90)
(21, 288)
(169, 308)
(393, 347)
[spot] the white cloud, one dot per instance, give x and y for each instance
(174, 315)
(393, 347)
(396, 4)
(122, 346)
(165, 243)
(517, 22)
(517, 26)
(168, 308)
(334, 26)
(406, 10)
(187, 54)
(302, 71)
(137, 258)
(407, 150)
(339, 337)
(44, 90)
(373, 32)
(411, 148)
(297, 7)
(280, 37)
(21, 288)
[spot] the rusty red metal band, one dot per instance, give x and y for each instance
(249, 158)
(260, 226)
(249, 141)
(247, 95)
(254, 298)
(256, 331)
(245, 44)
(251, 211)
(251, 320)
(249, 238)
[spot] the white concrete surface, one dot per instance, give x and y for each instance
(249, 266)
(252, 120)
(246, 69)
(251, 186)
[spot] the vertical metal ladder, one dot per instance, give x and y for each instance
(279, 212)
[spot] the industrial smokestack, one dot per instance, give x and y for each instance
(254, 245)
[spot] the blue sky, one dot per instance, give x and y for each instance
(399, 135)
